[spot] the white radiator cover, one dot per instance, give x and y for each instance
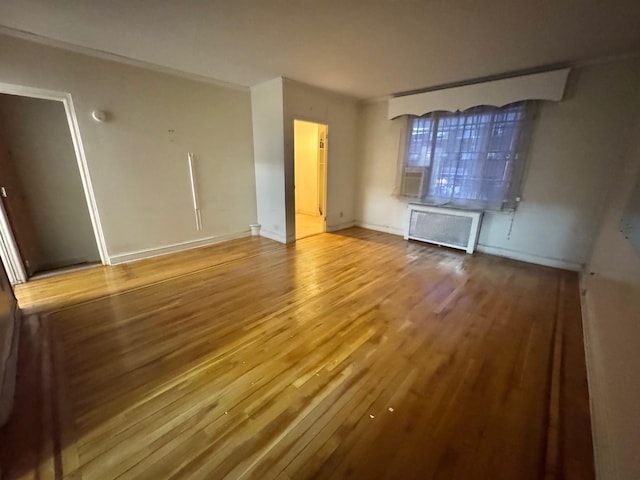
(448, 227)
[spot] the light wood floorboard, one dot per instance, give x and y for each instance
(308, 225)
(354, 355)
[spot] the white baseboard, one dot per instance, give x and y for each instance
(530, 257)
(340, 226)
(381, 228)
(500, 252)
(176, 247)
(278, 237)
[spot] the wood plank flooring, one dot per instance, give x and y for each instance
(308, 225)
(354, 355)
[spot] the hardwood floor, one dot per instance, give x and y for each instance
(307, 225)
(354, 355)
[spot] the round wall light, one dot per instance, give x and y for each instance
(99, 115)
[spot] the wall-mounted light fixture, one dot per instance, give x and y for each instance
(99, 115)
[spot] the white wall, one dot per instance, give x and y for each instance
(268, 145)
(42, 154)
(138, 160)
(575, 147)
(611, 312)
(340, 113)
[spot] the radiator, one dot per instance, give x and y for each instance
(444, 226)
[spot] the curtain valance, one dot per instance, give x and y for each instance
(536, 86)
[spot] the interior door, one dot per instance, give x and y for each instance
(15, 205)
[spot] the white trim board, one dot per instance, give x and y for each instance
(9, 252)
(339, 226)
(381, 228)
(530, 258)
(175, 248)
(277, 237)
(83, 167)
(597, 408)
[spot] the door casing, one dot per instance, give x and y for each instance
(9, 252)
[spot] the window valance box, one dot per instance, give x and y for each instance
(536, 86)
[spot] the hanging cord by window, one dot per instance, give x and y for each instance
(513, 214)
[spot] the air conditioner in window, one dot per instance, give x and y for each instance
(444, 226)
(412, 184)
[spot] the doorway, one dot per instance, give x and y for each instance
(310, 171)
(45, 216)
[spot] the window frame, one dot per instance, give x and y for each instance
(519, 150)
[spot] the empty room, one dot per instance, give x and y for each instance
(320, 240)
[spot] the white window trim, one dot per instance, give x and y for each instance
(470, 205)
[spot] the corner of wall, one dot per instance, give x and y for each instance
(610, 287)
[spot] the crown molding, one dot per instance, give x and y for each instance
(581, 63)
(104, 55)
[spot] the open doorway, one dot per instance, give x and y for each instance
(42, 195)
(310, 168)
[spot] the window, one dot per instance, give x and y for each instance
(471, 159)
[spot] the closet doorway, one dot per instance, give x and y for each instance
(310, 169)
(46, 223)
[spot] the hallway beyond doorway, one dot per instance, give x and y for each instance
(310, 167)
(307, 225)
